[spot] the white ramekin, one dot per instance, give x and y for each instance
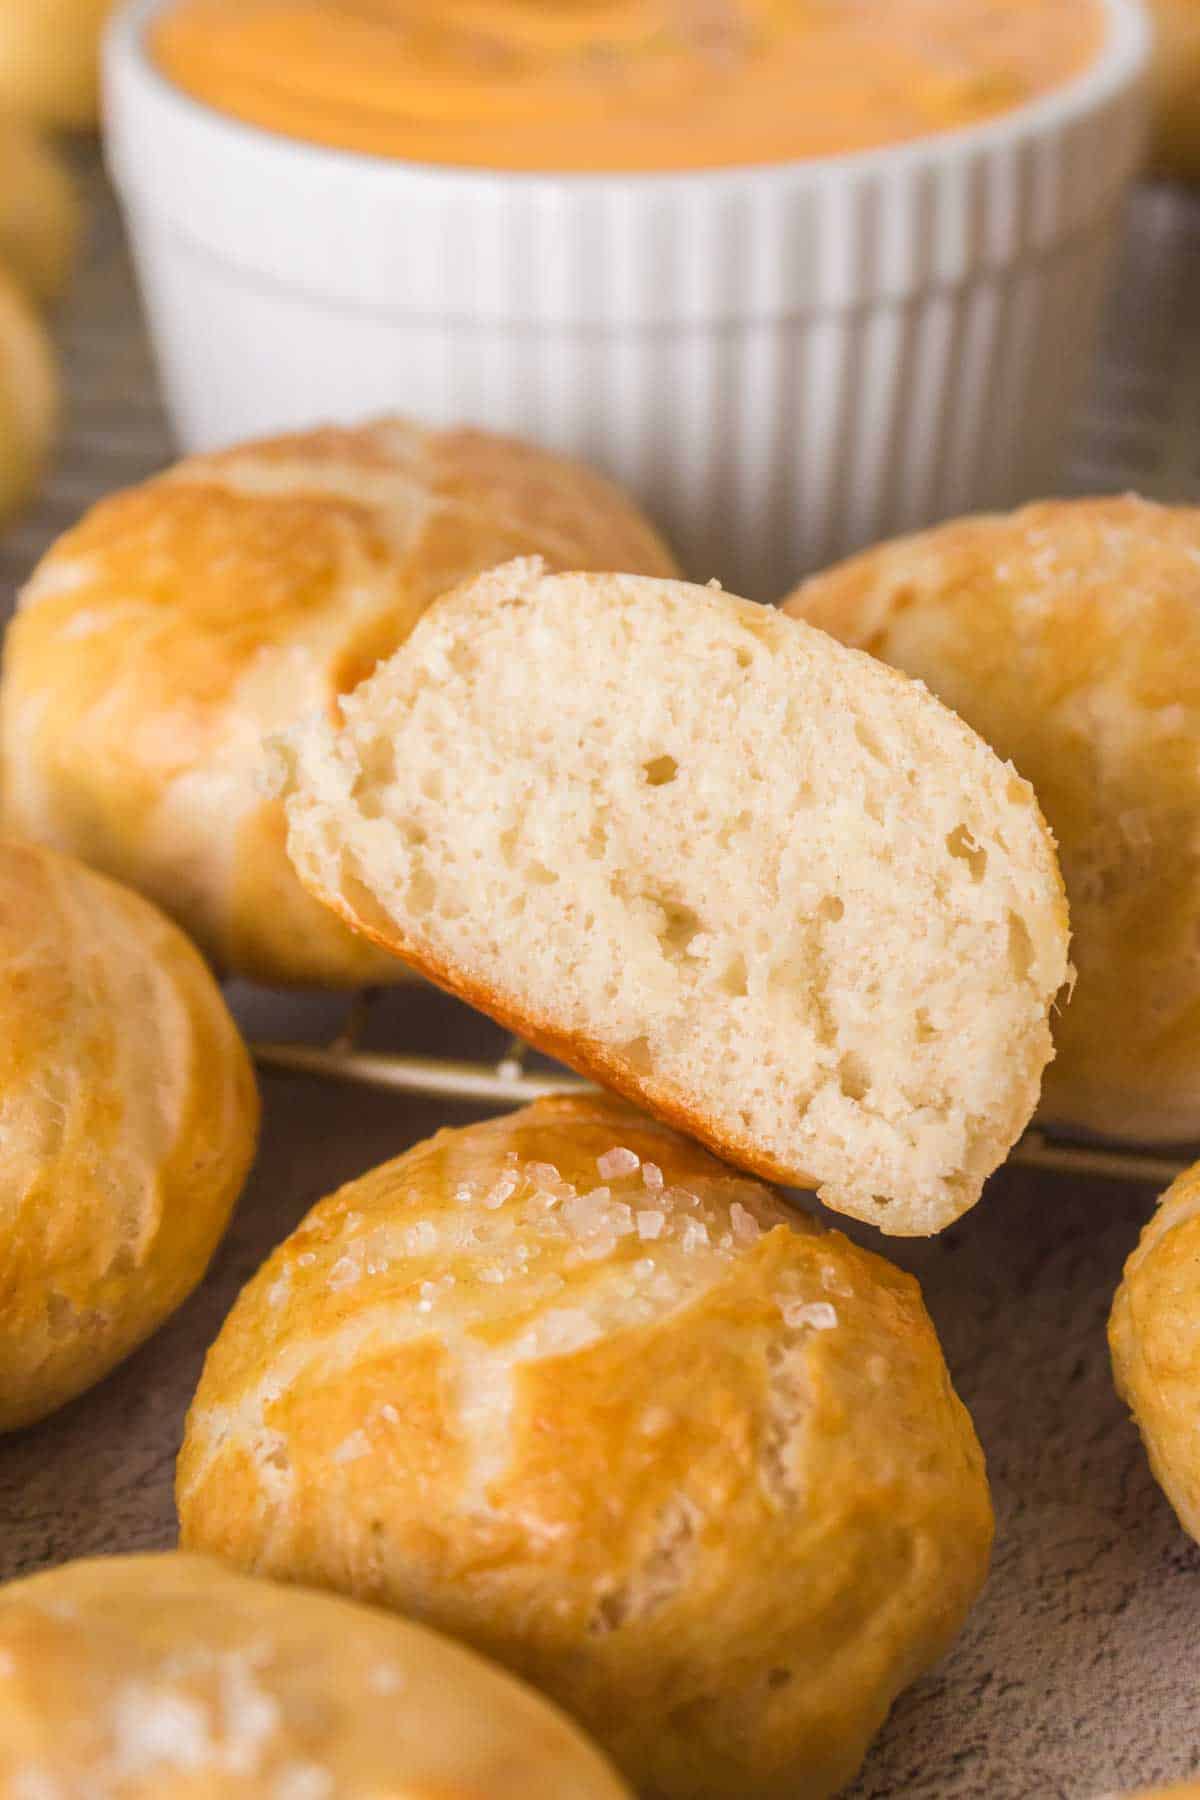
(784, 362)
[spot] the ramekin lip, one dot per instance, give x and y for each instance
(1121, 62)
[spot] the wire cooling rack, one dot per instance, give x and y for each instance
(1139, 427)
(509, 1081)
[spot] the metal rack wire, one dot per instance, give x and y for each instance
(509, 1082)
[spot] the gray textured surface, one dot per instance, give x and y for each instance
(1079, 1672)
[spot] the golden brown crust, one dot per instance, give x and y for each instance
(49, 61)
(182, 622)
(168, 1677)
(128, 1114)
(1068, 635)
(29, 396)
(1175, 88)
(682, 1458)
(1154, 1337)
(40, 214)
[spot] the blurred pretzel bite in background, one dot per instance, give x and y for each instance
(182, 621)
(40, 215)
(1154, 1336)
(40, 226)
(566, 1387)
(765, 887)
(128, 1115)
(50, 59)
(48, 76)
(29, 396)
(1068, 635)
(166, 1677)
(1175, 88)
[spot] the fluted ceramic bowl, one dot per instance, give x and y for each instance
(783, 361)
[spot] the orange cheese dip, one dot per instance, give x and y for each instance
(620, 84)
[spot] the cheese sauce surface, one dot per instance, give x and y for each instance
(620, 84)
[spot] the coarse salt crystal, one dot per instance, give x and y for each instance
(464, 1193)
(817, 1315)
(251, 1714)
(616, 1162)
(596, 1248)
(345, 1271)
(746, 1228)
(652, 1176)
(277, 1293)
(150, 1726)
(306, 1260)
(564, 1329)
(650, 1223)
(545, 1177)
(644, 1267)
(655, 1420)
(303, 1781)
(586, 1213)
(491, 1274)
(388, 1411)
(695, 1233)
(30, 1782)
(352, 1448)
(502, 1190)
(420, 1238)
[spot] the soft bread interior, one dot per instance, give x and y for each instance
(761, 882)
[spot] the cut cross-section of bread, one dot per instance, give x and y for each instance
(764, 885)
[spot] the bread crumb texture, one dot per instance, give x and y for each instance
(761, 884)
(568, 1388)
(1068, 635)
(128, 1114)
(183, 621)
(167, 1677)
(1154, 1336)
